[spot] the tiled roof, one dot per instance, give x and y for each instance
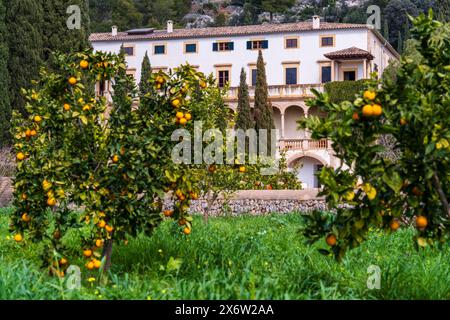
(223, 31)
(349, 53)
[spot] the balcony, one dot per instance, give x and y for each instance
(282, 91)
(303, 144)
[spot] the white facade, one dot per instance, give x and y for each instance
(358, 51)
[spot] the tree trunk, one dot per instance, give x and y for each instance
(437, 185)
(107, 253)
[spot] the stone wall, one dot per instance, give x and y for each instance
(5, 191)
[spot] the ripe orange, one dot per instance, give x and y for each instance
(168, 213)
(109, 228)
(159, 80)
(355, 116)
(183, 121)
(51, 202)
(331, 240)
(101, 224)
(99, 243)
(115, 158)
(269, 187)
(97, 263)
(403, 122)
(158, 86)
(18, 237)
(87, 253)
(176, 103)
(26, 217)
(377, 110)
(84, 64)
(37, 119)
(181, 222)
(421, 222)
(63, 261)
(28, 133)
(242, 169)
(24, 196)
(194, 195)
(212, 168)
(395, 224)
(187, 231)
(33, 132)
(370, 95)
(86, 107)
(203, 84)
(72, 81)
(367, 110)
(180, 115)
(90, 265)
(20, 156)
(188, 116)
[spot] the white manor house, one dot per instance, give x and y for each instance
(298, 56)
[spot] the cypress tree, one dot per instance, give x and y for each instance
(399, 43)
(244, 119)
(23, 21)
(58, 37)
(5, 106)
(146, 72)
(386, 30)
(263, 107)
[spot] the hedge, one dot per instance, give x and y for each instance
(343, 90)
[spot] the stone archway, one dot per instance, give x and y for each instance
(307, 164)
(277, 118)
(291, 115)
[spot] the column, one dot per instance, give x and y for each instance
(365, 69)
(332, 71)
(282, 125)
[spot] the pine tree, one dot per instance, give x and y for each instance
(244, 119)
(57, 36)
(146, 72)
(23, 22)
(263, 107)
(5, 106)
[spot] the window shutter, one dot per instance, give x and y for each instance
(249, 45)
(265, 44)
(215, 46)
(231, 46)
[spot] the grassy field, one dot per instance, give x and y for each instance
(235, 258)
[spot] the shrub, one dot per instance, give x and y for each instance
(340, 91)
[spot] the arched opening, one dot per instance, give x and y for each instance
(277, 118)
(291, 116)
(308, 167)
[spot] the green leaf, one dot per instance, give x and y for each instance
(84, 119)
(393, 180)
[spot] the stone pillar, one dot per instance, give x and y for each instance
(365, 69)
(282, 125)
(332, 71)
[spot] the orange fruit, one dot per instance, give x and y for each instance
(97, 263)
(168, 213)
(26, 217)
(24, 196)
(37, 119)
(63, 261)
(269, 187)
(394, 225)
(87, 253)
(370, 95)
(355, 116)
(20, 156)
(158, 86)
(99, 243)
(18, 237)
(51, 202)
(109, 228)
(421, 222)
(203, 84)
(377, 110)
(66, 107)
(115, 158)
(159, 80)
(33, 132)
(212, 168)
(403, 122)
(84, 64)
(28, 133)
(188, 116)
(72, 81)
(101, 224)
(367, 110)
(331, 240)
(242, 169)
(183, 121)
(194, 195)
(181, 222)
(180, 115)
(176, 103)
(187, 231)
(90, 265)
(86, 107)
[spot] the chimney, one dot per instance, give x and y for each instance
(316, 22)
(114, 31)
(169, 26)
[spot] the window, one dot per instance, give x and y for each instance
(326, 74)
(291, 75)
(327, 41)
(223, 46)
(317, 169)
(129, 50)
(131, 73)
(223, 77)
(160, 49)
(291, 43)
(257, 44)
(349, 75)
(254, 76)
(190, 48)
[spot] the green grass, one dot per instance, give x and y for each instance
(235, 258)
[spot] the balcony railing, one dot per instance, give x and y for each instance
(303, 144)
(280, 91)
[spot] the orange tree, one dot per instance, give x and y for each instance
(111, 159)
(371, 189)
